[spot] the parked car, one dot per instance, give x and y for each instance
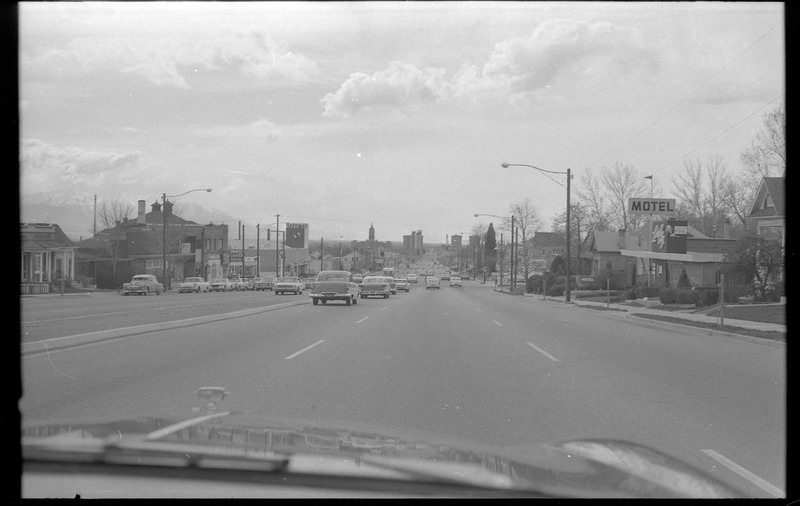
(262, 284)
(248, 284)
(221, 285)
(455, 281)
(401, 284)
(431, 282)
(335, 285)
(375, 286)
(194, 284)
(288, 284)
(143, 284)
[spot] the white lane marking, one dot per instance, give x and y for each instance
(384, 307)
(744, 473)
(478, 310)
(361, 320)
(497, 322)
(551, 357)
(304, 349)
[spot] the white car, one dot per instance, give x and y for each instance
(401, 284)
(455, 281)
(288, 284)
(194, 284)
(432, 282)
(412, 278)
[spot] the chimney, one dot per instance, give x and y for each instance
(726, 230)
(621, 239)
(140, 216)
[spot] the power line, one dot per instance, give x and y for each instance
(723, 132)
(685, 98)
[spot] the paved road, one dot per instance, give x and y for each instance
(470, 362)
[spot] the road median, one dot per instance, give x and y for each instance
(66, 342)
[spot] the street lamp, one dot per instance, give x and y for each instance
(569, 177)
(513, 248)
(164, 216)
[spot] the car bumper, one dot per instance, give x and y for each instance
(330, 296)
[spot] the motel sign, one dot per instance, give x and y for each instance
(651, 206)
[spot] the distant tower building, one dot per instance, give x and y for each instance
(371, 233)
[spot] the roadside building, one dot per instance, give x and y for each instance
(769, 209)
(545, 246)
(676, 247)
(136, 246)
(47, 258)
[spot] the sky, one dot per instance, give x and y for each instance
(342, 115)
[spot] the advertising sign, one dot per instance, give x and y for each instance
(297, 235)
(651, 206)
(670, 236)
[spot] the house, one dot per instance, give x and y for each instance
(769, 210)
(136, 246)
(675, 246)
(545, 246)
(47, 257)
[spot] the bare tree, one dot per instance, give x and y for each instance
(766, 157)
(582, 227)
(590, 195)
(527, 221)
(702, 199)
(111, 215)
(621, 183)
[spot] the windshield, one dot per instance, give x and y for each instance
(590, 243)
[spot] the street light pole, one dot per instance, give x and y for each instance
(569, 177)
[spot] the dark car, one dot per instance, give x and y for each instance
(376, 286)
(334, 285)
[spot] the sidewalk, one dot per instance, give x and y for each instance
(700, 320)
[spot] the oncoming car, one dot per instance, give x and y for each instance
(288, 284)
(143, 284)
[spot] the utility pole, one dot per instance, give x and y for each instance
(277, 237)
(258, 247)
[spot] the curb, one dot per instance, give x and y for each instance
(66, 342)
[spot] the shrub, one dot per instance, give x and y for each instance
(651, 292)
(683, 280)
(684, 296)
(534, 284)
(734, 292)
(631, 293)
(556, 291)
(705, 296)
(668, 296)
(617, 280)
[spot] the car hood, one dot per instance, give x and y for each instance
(577, 468)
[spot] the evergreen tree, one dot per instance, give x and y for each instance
(491, 244)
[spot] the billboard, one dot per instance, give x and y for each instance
(670, 236)
(651, 206)
(297, 235)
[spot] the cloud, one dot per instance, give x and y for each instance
(401, 86)
(559, 48)
(163, 61)
(45, 167)
(259, 131)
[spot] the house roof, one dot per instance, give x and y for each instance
(43, 237)
(772, 187)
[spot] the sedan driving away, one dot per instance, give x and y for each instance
(431, 282)
(455, 281)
